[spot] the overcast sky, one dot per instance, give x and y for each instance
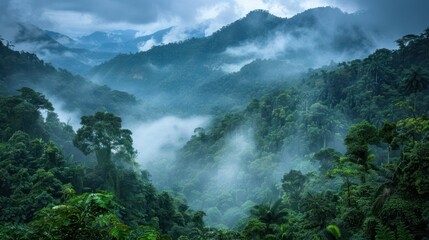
(79, 17)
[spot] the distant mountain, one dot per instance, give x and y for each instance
(76, 94)
(108, 37)
(119, 41)
(59, 50)
(182, 72)
(128, 41)
(80, 54)
(62, 39)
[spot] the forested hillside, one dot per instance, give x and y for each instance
(47, 195)
(59, 50)
(21, 69)
(346, 146)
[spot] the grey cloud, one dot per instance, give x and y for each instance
(132, 11)
(397, 17)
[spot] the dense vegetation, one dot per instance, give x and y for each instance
(350, 142)
(21, 69)
(45, 195)
(341, 154)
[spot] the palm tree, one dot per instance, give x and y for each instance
(388, 182)
(269, 214)
(415, 81)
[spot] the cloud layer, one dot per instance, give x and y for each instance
(79, 16)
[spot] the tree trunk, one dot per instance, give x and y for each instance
(104, 157)
(108, 170)
(388, 153)
(324, 141)
(349, 203)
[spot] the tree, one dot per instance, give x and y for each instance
(320, 125)
(326, 157)
(388, 135)
(293, 185)
(319, 208)
(37, 99)
(17, 113)
(347, 170)
(357, 140)
(86, 216)
(102, 133)
(269, 214)
(377, 65)
(415, 81)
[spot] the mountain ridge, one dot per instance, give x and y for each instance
(299, 42)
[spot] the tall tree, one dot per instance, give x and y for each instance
(293, 184)
(357, 140)
(415, 81)
(37, 99)
(269, 214)
(102, 133)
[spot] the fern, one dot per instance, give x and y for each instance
(384, 233)
(402, 233)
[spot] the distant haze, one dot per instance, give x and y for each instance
(76, 18)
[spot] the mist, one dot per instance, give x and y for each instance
(219, 197)
(302, 48)
(159, 139)
(65, 116)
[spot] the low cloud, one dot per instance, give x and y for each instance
(79, 17)
(238, 148)
(159, 139)
(301, 49)
(145, 46)
(235, 67)
(65, 116)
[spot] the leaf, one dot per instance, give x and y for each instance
(384, 233)
(402, 233)
(66, 222)
(334, 231)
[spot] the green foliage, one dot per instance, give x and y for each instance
(334, 231)
(384, 233)
(415, 80)
(102, 134)
(402, 233)
(20, 70)
(269, 214)
(327, 158)
(319, 209)
(86, 216)
(293, 185)
(36, 99)
(357, 140)
(15, 232)
(245, 153)
(255, 229)
(35, 175)
(385, 149)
